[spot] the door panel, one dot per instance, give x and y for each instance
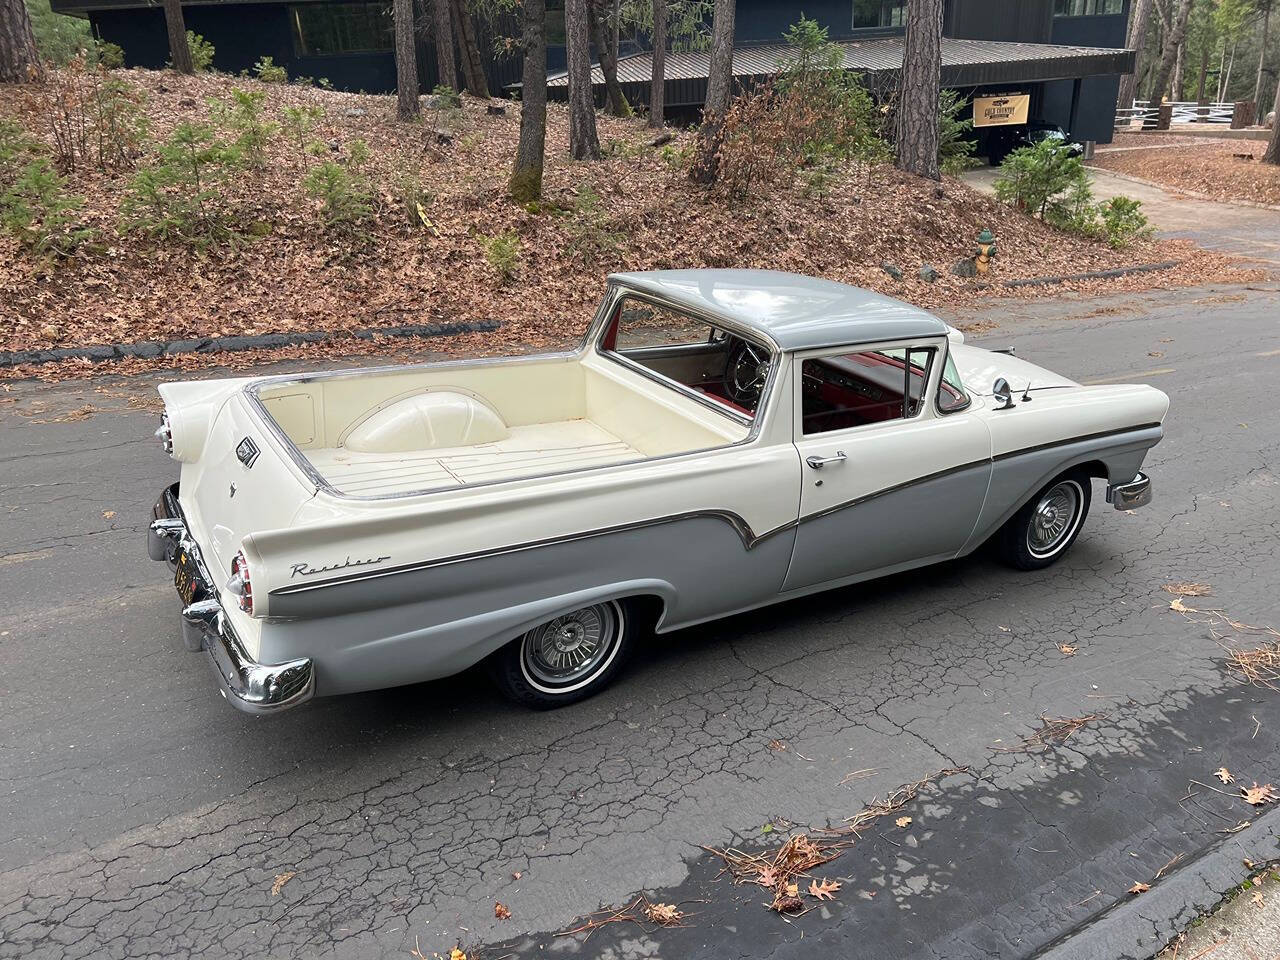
(905, 491)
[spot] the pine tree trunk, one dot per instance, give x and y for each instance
(1137, 40)
(1262, 57)
(526, 176)
(406, 60)
(19, 59)
(179, 51)
(920, 89)
(720, 78)
(658, 89)
(584, 142)
(602, 40)
(1175, 89)
(446, 67)
(1177, 33)
(472, 62)
(1273, 147)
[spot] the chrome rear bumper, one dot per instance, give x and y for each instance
(1129, 496)
(250, 686)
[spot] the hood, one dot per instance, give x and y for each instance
(980, 368)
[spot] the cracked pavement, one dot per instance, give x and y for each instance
(146, 818)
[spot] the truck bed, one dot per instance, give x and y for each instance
(534, 449)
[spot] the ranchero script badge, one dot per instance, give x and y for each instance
(306, 570)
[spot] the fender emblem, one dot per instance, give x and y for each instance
(247, 452)
(306, 570)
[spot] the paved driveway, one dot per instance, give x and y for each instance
(144, 817)
(1231, 228)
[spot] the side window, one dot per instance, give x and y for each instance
(951, 393)
(856, 389)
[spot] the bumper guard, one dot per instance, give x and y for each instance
(253, 687)
(1129, 496)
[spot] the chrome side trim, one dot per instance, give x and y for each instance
(750, 539)
(1129, 496)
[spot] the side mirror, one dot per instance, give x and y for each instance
(1000, 390)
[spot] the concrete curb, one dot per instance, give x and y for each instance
(1179, 191)
(1140, 926)
(151, 348)
(1093, 274)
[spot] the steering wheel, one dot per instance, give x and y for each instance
(748, 369)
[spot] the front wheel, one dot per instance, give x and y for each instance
(566, 659)
(1044, 529)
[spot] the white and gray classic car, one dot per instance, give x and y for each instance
(719, 440)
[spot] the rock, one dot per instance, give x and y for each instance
(891, 270)
(965, 268)
(927, 273)
(1271, 120)
(496, 109)
(432, 102)
(444, 137)
(187, 102)
(938, 192)
(662, 139)
(354, 112)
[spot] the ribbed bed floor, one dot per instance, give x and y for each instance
(527, 451)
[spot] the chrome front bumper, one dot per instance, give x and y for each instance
(246, 684)
(1129, 496)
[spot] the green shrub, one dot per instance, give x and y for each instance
(1123, 222)
(447, 96)
(95, 118)
(16, 146)
(346, 197)
(201, 52)
(241, 116)
(180, 196)
(1035, 178)
(955, 147)
(502, 251)
(298, 123)
(110, 55)
(268, 71)
(59, 38)
(37, 210)
(591, 234)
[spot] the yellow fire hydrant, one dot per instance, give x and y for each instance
(986, 250)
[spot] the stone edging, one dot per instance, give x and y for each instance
(1093, 274)
(152, 348)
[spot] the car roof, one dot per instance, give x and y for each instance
(794, 311)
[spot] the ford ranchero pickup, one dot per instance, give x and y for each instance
(718, 441)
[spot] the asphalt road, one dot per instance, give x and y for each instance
(144, 817)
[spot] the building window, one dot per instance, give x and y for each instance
(555, 23)
(1087, 8)
(878, 13)
(323, 29)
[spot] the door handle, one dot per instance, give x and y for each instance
(819, 462)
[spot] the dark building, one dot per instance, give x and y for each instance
(1059, 61)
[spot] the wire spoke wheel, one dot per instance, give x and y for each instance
(568, 652)
(1054, 518)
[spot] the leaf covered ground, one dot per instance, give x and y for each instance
(428, 255)
(1224, 169)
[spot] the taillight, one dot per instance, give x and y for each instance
(240, 585)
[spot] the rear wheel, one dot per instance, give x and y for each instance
(566, 659)
(1044, 529)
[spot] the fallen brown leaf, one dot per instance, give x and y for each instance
(1067, 650)
(824, 890)
(1138, 888)
(1257, 795)
(1257, 900)
(1187, 589)
(281, 880)
(501, 912)
(108, 514)
(663, 914)
(903, 822)
(1223, 774)
(1179, 607)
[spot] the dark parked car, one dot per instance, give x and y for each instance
(1003, 141)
